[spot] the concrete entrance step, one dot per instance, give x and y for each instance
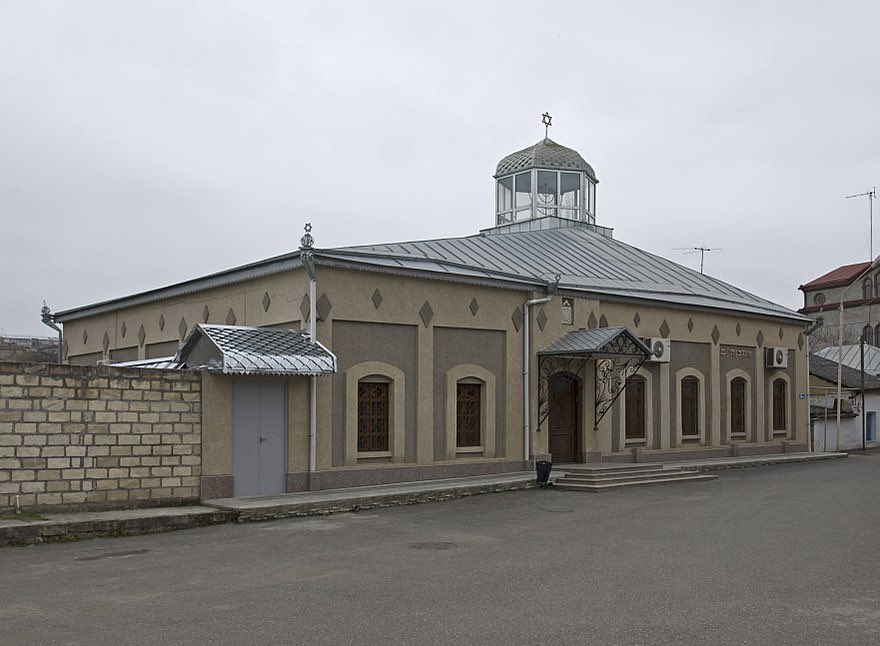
(607, 469)
(611, 486)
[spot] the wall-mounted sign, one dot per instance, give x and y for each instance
(733, 351)
(567, 311)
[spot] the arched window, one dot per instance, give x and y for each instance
(877, 285)
(375, 413)
(867, 288)
(373, 416)
(877, 334)
(780, 388)
(738, 406)
(468, 414)
(634, 426)
(868, 335)
(690, 407)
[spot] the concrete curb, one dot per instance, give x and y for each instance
(58, 528)
(341, 500)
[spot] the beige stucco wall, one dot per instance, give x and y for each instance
(162, 320)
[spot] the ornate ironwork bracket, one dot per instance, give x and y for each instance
(612, 375)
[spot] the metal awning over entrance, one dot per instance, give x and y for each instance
(617, 352)
(238, 350)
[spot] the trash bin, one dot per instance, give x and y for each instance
(543, 468)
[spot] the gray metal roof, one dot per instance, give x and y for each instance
(849, 377)
(852, 358)
(250, 350)
(544, 154)
(599, 340)
(160, 363)
(587, 262)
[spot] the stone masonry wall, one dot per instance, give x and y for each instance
(96, 437)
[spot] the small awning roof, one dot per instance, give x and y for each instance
(608, 341)
(161, 363)
(234, 349)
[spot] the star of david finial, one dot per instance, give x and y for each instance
(546, 119)
(307, 241)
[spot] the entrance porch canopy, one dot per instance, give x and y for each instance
(618, 354)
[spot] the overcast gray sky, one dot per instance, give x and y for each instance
(145, 143)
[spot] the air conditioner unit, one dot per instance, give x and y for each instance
(776, 357)
(661, 349)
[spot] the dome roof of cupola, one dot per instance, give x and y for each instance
(544, 154)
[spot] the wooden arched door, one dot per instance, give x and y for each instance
(563, 420)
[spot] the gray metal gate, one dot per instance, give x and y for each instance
(259, 436)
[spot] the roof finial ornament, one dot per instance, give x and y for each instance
(546, 119)
(307, 240)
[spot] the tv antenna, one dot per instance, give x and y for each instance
(871, 195)
(701, 250)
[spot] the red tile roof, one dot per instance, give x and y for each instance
(840, 276)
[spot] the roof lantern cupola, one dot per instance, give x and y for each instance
(545, 180)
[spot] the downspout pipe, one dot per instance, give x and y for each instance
(49, 319)
(526, 361)
(308, 259)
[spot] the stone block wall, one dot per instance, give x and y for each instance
(96, 437)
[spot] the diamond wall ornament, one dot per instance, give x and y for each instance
(781, 334)
(738, 329)
(377, 299)
(205, 314)
(664, 329)
(542, 319)
(760, 339)
(142, 335)
(323, 307)
(474, 306)
(181, 329)
(122, 329)
(230, 317)
(603, 322)
(105, 342)
(591, 322)
(801, 341)
(161, 322)
(517, 318)
(85, 336)
(715, 335)
(305, 307)
(637, 319)
(266, 302)
(426, 313)
(690, 325)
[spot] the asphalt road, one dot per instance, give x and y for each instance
(771, 555)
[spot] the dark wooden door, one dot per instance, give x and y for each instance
(563, 420)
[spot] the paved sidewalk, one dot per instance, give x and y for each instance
(84, 525)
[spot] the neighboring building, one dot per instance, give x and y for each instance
(854, 416)
(36, 349)
(431, 341)
(859, 285)
(852, 357)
